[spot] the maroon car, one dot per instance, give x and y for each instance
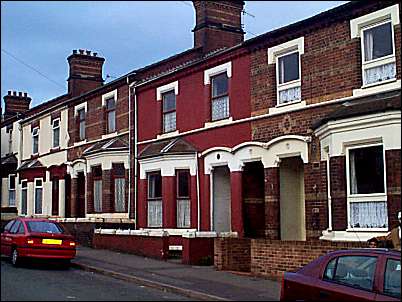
(347, 275)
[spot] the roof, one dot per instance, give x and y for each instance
(380, 102)
(113, 144)
(9, 159)
(30, 164)
(167, 147)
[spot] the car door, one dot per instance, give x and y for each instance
(389, 279)
(6, 239)
(347, 278)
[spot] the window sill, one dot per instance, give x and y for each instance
(109, 135)
(365, 230)
(287, 107)
(219, 122)
(168, 134)
(55, 149)
(378, 87)
(33, 156)
(378, 83)
(83, 142)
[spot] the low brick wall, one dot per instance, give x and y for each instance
(271, 258)
(198, 251)
(232, 254)
(148, 246)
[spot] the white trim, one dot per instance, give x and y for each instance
(391, 12)
(109, 135)
(166, 88)
(289, 46)
(167, 134)
(79, 107)
(352, 236)
(218, 122)
(108, 95)
(208, 73)
(83, 142)
(34, 197)
(168, 164)
(286, 107)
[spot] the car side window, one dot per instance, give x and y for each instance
(21, 229)
(8, 226)
(15, 227)
(354, 271)
(392, 278)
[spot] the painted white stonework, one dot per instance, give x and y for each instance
(77, 166)
(296, 44)
(106, 159)
(30, 198)
(62, 201)
(56, 158)
(391, 12)
(379, 87)
(108, 215)
(4, 192)
(350, 235)
(168, 164)
(165, 88)
(5, 136)
(269, 153)
(287, 107)
(382, 128)
(227, 67)
(80, 106)
(107, 96)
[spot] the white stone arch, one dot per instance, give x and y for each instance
(221, 157)
(78, 165)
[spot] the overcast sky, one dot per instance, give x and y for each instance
(128, 34)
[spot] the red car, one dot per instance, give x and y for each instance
(36, 238)
(347, 275)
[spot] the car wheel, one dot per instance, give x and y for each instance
(15, 258)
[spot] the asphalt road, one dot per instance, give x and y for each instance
(44, 282)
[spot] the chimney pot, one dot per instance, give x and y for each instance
(88, 52)
(81, 51)
(25, 94)
(20, 93)
(74, 51)
(9, 92)
(15, 93)
(95, 54)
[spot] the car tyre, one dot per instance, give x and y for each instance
(15, 258)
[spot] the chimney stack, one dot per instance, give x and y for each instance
(85, 72)
(218, 24)
(14, 104)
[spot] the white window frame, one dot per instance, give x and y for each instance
(287, 85)
(24, 186)
(380, 197)
(53, 129)
(38, 187)
(10, 141)
(379, 61)
(154, 200)
(12, 190)
(36, 130)
(163, 113)
(212, 98)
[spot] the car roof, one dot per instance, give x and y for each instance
(35, 219)
(369, 251)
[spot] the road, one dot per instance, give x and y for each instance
(41, 282)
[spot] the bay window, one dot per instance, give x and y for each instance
(155, 199)
(97, 187)
(183, 198)
(119, 187)
(38, 196)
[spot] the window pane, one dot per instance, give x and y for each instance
(21, 229)
(81, 114)
(288, 68)
(379, 73)
(183, 184)
(11, 185)
(169, 122)
(11, 198)
(56, 137)
(24, 201)
(329, 271)
(35, 144)
(183, 213)
(38, 201)
(392, 278)
(44, 227)
(98, 195)
(155, 213)
(369, 214)
(220, 108)
(15, 227)
(169, 101)
(378, 42)
(356, 271)
(366, 170)
(119, 194)
(154, 186)
(111, 121)
(289, 95)
(110, 103)
(82, 130)
(219, 85)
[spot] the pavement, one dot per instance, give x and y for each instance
(195, 282)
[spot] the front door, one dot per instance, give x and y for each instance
(221, 199)
(81, 194)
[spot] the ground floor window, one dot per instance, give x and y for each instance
(366, 187)
(97, 177)
(38, 196)
(183, 198)
(11, 190)
(24, 197)
(119, 187)
(155, 199)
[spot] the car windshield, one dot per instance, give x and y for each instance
(44, 227)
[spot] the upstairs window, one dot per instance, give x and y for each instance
(111, 115)
(169, 111)
(56, 133)
(378, 53)
(81, 123)
(11, 190)
(288, 78)
(35, 140)
(10, 140)
(219, 97)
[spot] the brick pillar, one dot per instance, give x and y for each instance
(126, 190)
(107, 197)
(393, 170)
(168, 202)
(142, 204)
(206, 204)
(237, 202)
(158, 112)
(337, 167)
(207, 103)
(193, 202)
(74, 199)
(89, 193)
(272, 206)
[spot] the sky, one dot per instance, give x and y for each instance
(38, 36)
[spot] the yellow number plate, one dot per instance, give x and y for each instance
(51, 241)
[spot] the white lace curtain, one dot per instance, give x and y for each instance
(371, 214)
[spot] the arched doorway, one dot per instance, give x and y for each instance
(221, 199)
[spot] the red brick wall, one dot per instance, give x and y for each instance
(393, 170)
(272, 215)
(198, 251)
(107, 196)
(337, 168)
(232, 254)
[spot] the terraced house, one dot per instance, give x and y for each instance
(289, 138)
